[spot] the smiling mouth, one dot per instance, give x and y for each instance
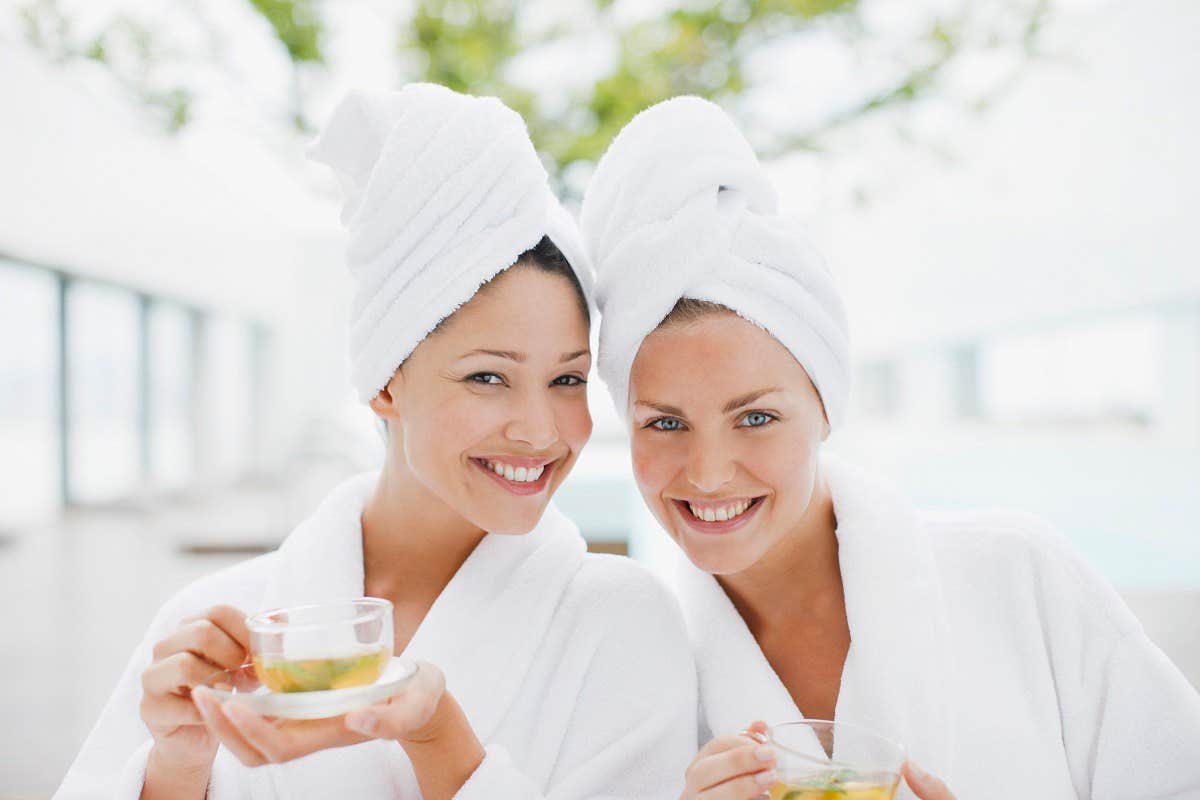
(518, 480)
(724, 518)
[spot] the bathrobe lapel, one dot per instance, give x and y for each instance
(897, 675)
(483, 630)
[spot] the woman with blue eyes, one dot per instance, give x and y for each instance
(978, 640)
(469, 339)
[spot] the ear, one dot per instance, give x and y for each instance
(386, 404)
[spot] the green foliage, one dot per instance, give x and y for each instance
(297, 26)
(700, 47)
(697, 47)
(124, 45)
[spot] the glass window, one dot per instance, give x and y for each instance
(102, 388)
(171, 444)
(228, 378)
(1104, 372)
(29, 463)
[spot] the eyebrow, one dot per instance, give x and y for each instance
(512, 355)
(747, 399)
(661, 408)
(732, 405)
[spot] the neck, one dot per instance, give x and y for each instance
(413, 543)
(799, 577)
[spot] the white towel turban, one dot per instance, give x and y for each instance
(680, 207)
(443, 192)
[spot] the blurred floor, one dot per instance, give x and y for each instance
(78, 596)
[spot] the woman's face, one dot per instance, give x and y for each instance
(490, 412)
(726, 428)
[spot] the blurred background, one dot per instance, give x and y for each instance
(1006, 189)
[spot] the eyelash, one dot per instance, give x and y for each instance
(770, 418)
(656, 422)
(477, 377)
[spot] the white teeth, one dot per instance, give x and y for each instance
(723, 514)
(515, 474)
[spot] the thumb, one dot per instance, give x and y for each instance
(924, 785)
(405, 713)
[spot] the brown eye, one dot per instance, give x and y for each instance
(486, 378)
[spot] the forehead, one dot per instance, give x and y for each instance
(521, 300)
(712, 358)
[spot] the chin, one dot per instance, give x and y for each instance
(718, 558)
(515, 523)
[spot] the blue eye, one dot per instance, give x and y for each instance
(568, 380)
(666, 424)
(487, 378)
(756, 419)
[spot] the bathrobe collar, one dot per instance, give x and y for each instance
(494, 611)
(897, 673)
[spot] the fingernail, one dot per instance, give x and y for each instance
(765, 778)
(363, 723)
(917, 772)
(764, 753)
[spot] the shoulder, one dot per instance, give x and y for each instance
(1023, 553)
(240, 585)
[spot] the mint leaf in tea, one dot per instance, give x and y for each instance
(838, 785)
(280, 674)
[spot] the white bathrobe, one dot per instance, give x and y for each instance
(983, 643)
(574, 670)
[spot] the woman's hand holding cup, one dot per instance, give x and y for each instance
(184, 748)
(737, 767)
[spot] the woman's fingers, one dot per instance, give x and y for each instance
(205, 639)
(924, 785)
(225, 730)
(747, 787)
(168, 712)
(233, 622)
(712, 770)
(176, 674)
(406, 712)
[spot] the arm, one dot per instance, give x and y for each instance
(1138, 735)
(1130, 720)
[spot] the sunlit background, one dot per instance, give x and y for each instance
(1007, 190)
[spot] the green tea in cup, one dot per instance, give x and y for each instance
(322, 647)
(822, 760)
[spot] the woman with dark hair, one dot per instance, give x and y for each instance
(469, 339)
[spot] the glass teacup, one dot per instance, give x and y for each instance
(322, 646)
(823, 760)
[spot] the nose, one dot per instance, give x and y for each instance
(708, 468)
(533, 421)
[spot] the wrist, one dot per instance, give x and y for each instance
(445, 752)
(447, 722)
(168, 777)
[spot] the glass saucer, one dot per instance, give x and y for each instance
(241, 685)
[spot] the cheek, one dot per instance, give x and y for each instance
(442, 428)
(653, 464)
(574, 421)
